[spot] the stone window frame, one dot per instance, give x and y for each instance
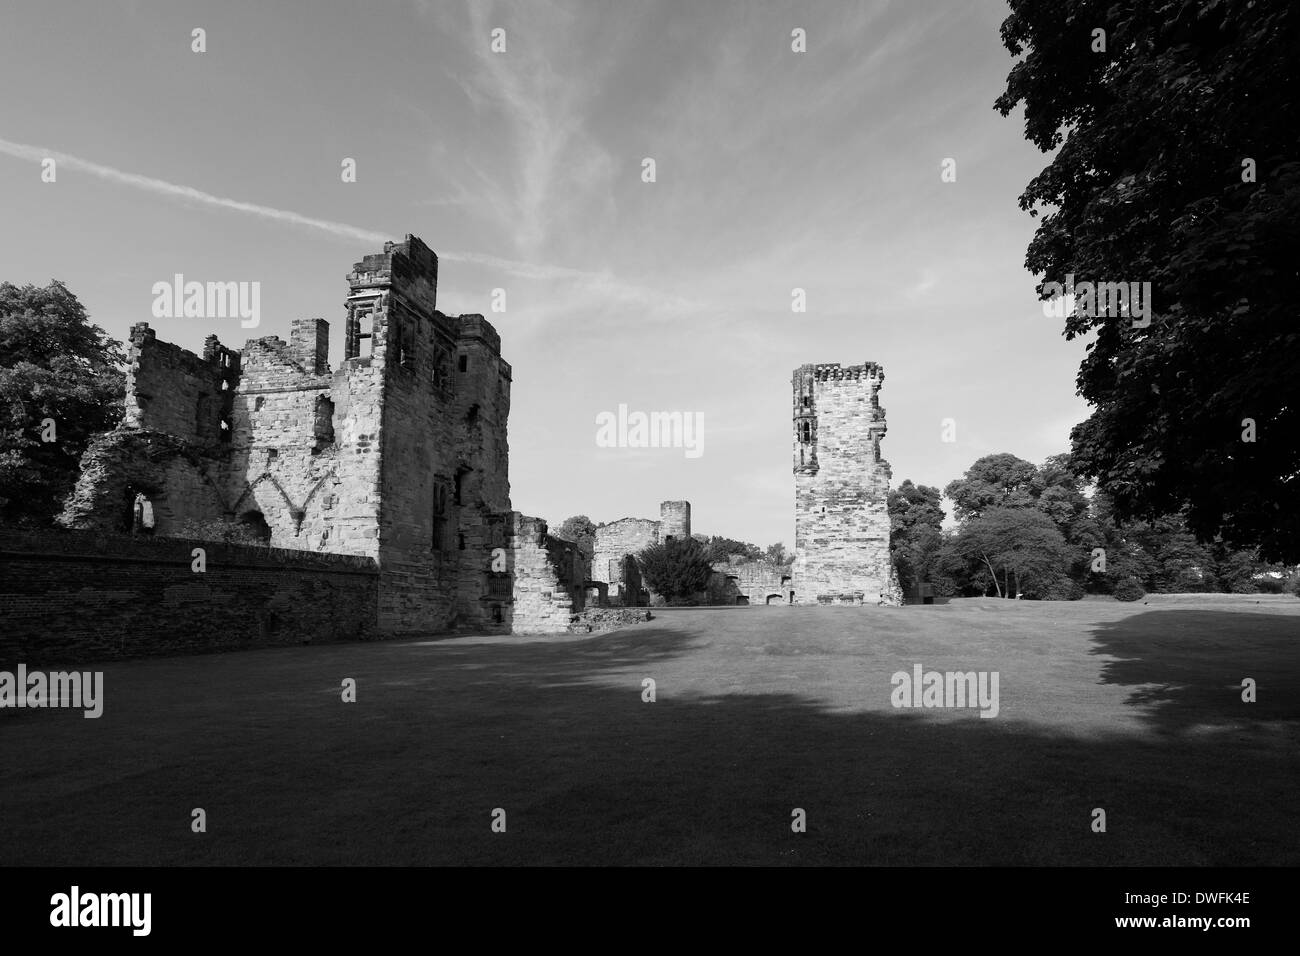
(361, 315)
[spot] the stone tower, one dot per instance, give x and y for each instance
(841, 488)
(674, 520)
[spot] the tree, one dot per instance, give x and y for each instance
(1021, 546)
(1129, 589)
(777, 554)
(720, 549)
(1174, 165)
(581, 530)
(1236, 573)
(1164, 557)
(994, 481)
(915, 536)
(676, 569)
(61, 384)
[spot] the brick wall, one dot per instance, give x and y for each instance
(68, 597)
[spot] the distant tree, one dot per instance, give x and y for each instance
(1017, 550)
(676, 569)
(581, 530)
(948, 569)
(777, 554)
(911, 505)
(994, 481)
(1240, 572)
(1058, 489)
(60, 378)
(1129, 589)
(916, 531)
(1163, 556)
(720, 549)
(1174, 163)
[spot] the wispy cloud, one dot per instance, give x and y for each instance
(604, 282)
(186, 193)
(561, 167)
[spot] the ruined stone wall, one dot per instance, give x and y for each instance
(395, 293)
(547, 588)
(174, 391)
(71, 597)
(631, 588)
(169, 446)
(444, 486)
(180, 479)
(482, 468)
(841, 488)
(302, 454)
(616, 540)
(400, 455)
(757, 582)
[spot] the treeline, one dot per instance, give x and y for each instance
(1031, 531)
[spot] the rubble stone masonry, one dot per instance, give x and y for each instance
(400, 455)
(618, 542)
(841, 488)
(72, 597)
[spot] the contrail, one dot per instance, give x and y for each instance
(161, 187)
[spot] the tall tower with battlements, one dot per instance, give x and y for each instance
(841, 488)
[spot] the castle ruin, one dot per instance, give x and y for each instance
(841, 488)
(617, 543)
(735, 581)
(399, 455)
(382, 487)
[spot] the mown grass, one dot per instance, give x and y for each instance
(1132, 708)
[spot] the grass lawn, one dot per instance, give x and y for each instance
(1134, 708)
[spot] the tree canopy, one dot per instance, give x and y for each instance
(916, 521)
(61, 384)
(677, 568)
(1034, 530)
(581, 530)
(1175, 164)
(718, 548)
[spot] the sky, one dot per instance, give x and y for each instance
(523, 171)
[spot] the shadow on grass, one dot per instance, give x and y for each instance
(1186, 667)
(556, 734)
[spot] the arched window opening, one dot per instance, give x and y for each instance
(141, 516)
